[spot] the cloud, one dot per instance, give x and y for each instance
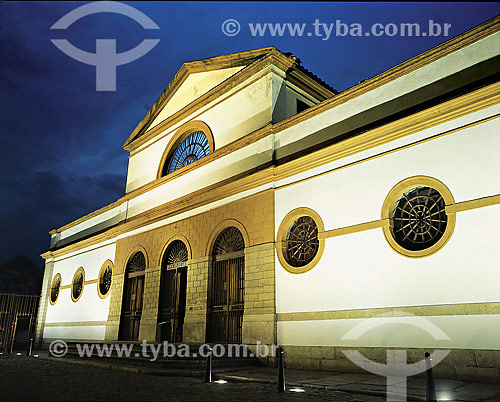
(43, 200)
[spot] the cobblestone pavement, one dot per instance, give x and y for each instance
(31, 379)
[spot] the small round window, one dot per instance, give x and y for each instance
(302, 242)
(78, 282)
(105, 277)
(298, 243)
(416, 212)
(55, 288)
(419, 218)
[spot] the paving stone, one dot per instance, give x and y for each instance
(32, 379)
(24, 378)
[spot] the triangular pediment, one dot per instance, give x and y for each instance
(194, 86)
(194, 79)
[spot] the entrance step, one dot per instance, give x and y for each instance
(172, 357)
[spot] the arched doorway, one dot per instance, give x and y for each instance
(226, 304)
(172, 303)
(132, 298)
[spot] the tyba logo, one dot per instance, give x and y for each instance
(396, 370)
(105, 59)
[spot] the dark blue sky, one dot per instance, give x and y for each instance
(61, 148)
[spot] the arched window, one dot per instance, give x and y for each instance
(192, 142)
(193, 148)
(229, 241)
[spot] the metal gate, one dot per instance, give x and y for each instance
(225, 315)
(132, 298)
(172, 305)
(14, 306)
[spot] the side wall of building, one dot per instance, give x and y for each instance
(361, 276)
(87, 317)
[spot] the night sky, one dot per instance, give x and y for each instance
(61, 148)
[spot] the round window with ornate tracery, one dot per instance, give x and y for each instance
(105, 278)
(298, 242)
(302, 242)
(419, 218)
(78, 282)
(55, 288)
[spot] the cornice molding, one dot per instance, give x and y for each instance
(469, 103)
(459, 42)
(268, 55)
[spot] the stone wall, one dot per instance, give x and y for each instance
(459, 364)
(44, 301)
(254, 216)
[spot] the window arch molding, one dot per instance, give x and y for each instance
(218, 230)
(122, 267)
(180, 135)
(169, 242)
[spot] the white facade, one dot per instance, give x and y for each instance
(435, 116)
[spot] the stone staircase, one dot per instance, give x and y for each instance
(162, 359)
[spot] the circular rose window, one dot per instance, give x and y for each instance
(55, 288)
(302, 242)
(298, 240)
(419, 218)
(78, 282)
(105, 277)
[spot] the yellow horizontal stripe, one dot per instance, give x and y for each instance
(450, 209)
(354, 228)
(433, 310)
(76, 324)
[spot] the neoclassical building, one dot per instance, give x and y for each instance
(262, 205)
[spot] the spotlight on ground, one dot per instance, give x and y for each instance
(297, 390)
(220, 381)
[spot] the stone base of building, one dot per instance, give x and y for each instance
(459, 364)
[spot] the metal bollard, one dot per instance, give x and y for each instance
(208, 367)
(12, 341)
(429, 386)
(281, 371)
(30, 348)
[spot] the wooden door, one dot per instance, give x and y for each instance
(132, 298)
(172, 303)
(226, 302)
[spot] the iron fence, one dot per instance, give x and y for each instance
(13, 306)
